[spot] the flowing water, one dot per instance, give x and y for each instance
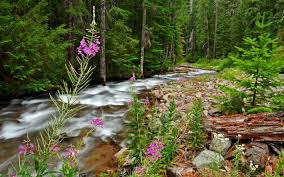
(30, 115)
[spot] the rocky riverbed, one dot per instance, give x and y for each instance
(257, 154)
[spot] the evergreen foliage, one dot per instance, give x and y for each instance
(195, 120)
(174, 30)
(260, 66)
(34, 54)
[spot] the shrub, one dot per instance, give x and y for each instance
(259, 110)
(137, 130)
(233, 102)
(169, 132)
(226, 63)
(152, 138)
(195, 120)
(278, 102)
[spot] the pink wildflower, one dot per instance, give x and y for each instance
(88, 48)
(129, 102)
(97, 122)
(55, 148)
(82, 46)
(132, 78)
(153, 152)
(145, 101)
(139, 171)
(26, 148)
(70, 153)
(13, 174)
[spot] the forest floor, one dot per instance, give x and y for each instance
(261, 154)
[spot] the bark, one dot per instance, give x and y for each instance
(216, 26)
(103, 40)
(70, 37)
(192, 39)
(142, 55)
(173, 44)
(208, 35)
(256, 127)
(90, 6)
(255, 89)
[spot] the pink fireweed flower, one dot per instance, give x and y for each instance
(55, 148)
(97, 41)
(129, 102)
(26, 148)
(97, 122)
(13, 174)
(145, 101)
(82, 46)
(139, 171)
(181, 79)
(88, 48)
(70, 153)
(153, 151)
(132, 78)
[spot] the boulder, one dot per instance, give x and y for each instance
(220, 144)
(122, 157)
(176, 171)
(257, 153)
(208, 158)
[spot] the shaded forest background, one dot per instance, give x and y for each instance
(39, 37)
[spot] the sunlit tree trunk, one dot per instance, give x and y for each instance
(103, 40)
(142, 55)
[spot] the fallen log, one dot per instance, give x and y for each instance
(255, 127)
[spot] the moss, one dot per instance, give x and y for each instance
(260, 109)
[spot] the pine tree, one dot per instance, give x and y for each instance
(30, 48)
(259, 64)
(142, 56)
(121, 43)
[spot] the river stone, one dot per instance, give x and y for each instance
(220, 145)
(257, 153)
(176, 171)
(122, 157)
(208, 158)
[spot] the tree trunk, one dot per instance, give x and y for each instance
(208, 35)
(70, 38)
(255, 89)
(103, 40)
(192, 38)
(216, 26)
(142, 56)
(90, 7)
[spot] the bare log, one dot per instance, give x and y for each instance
(256, 127)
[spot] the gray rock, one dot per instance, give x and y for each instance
(178, 171)
(214, 112)
(122, 157)
(257, 153)
(220, 144)
(208, 158)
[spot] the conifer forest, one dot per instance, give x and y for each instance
(142, 88)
